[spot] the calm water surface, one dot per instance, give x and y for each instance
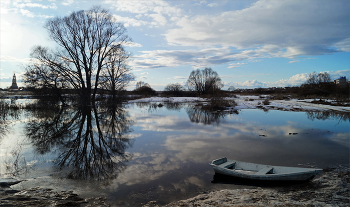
(150, 152)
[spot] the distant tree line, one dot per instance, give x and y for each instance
(317, 85)
(321, 84)
(322, 77)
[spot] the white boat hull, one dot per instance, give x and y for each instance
(261, 172)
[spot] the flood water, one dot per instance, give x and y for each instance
(143, 152)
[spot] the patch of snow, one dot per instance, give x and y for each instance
(168, 99)
(254, 102)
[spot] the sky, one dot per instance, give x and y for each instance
(249, 44)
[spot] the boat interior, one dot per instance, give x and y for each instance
(256, 169)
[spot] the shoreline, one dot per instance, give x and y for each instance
(331, 188)
(245, 102)
(255, 102)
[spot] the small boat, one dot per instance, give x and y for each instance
(260, 172)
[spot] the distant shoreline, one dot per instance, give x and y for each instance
(242, 102)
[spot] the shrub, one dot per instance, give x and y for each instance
(145, 91)
(174, 89)
(219, 103)
(266, 102)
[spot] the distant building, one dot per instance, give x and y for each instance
(340, 81)
(14, 86)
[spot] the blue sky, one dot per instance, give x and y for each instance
(249, 43)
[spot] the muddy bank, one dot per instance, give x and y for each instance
(43, 197)
(332, 188)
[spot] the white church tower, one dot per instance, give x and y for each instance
(14, 86)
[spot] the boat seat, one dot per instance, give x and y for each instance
(264, 171)
(226, 164)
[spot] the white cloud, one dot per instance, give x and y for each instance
(5, 7)
(130, 21)
(213, 5)
(253, 83)
(235, 65)
(337, 74)
(294, 61)
(159, 19)
(6, 58)
(133, 136)
(343, 45)
(295, 80)
(144, 7)
(133, 44)
(277, 28)
(195, 58)
(35, 5)
(180, 77)
(27, 13)
(67, 2)
(157, 11)
(200, 3)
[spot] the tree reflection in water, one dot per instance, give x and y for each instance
(174, 106)
(195, 113)
(152, 107)
(324, 115)
(8, 112)
(91, 141)
(207, 117)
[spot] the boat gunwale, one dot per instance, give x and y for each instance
(269, 175)
(232, 172)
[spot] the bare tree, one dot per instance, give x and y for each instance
(40, 76)
(204, 81)
(117, 75)
(144, 89)
(87, 41)
(174, 89)
(322, 77)
(312, 78)
(141, 84)
(231, 88)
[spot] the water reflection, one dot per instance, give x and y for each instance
(324, 115)
(207, 117)
(8, 112)
(195, 113)
(90, 142)
(171, 152)
(174, 106)
(153, 107)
